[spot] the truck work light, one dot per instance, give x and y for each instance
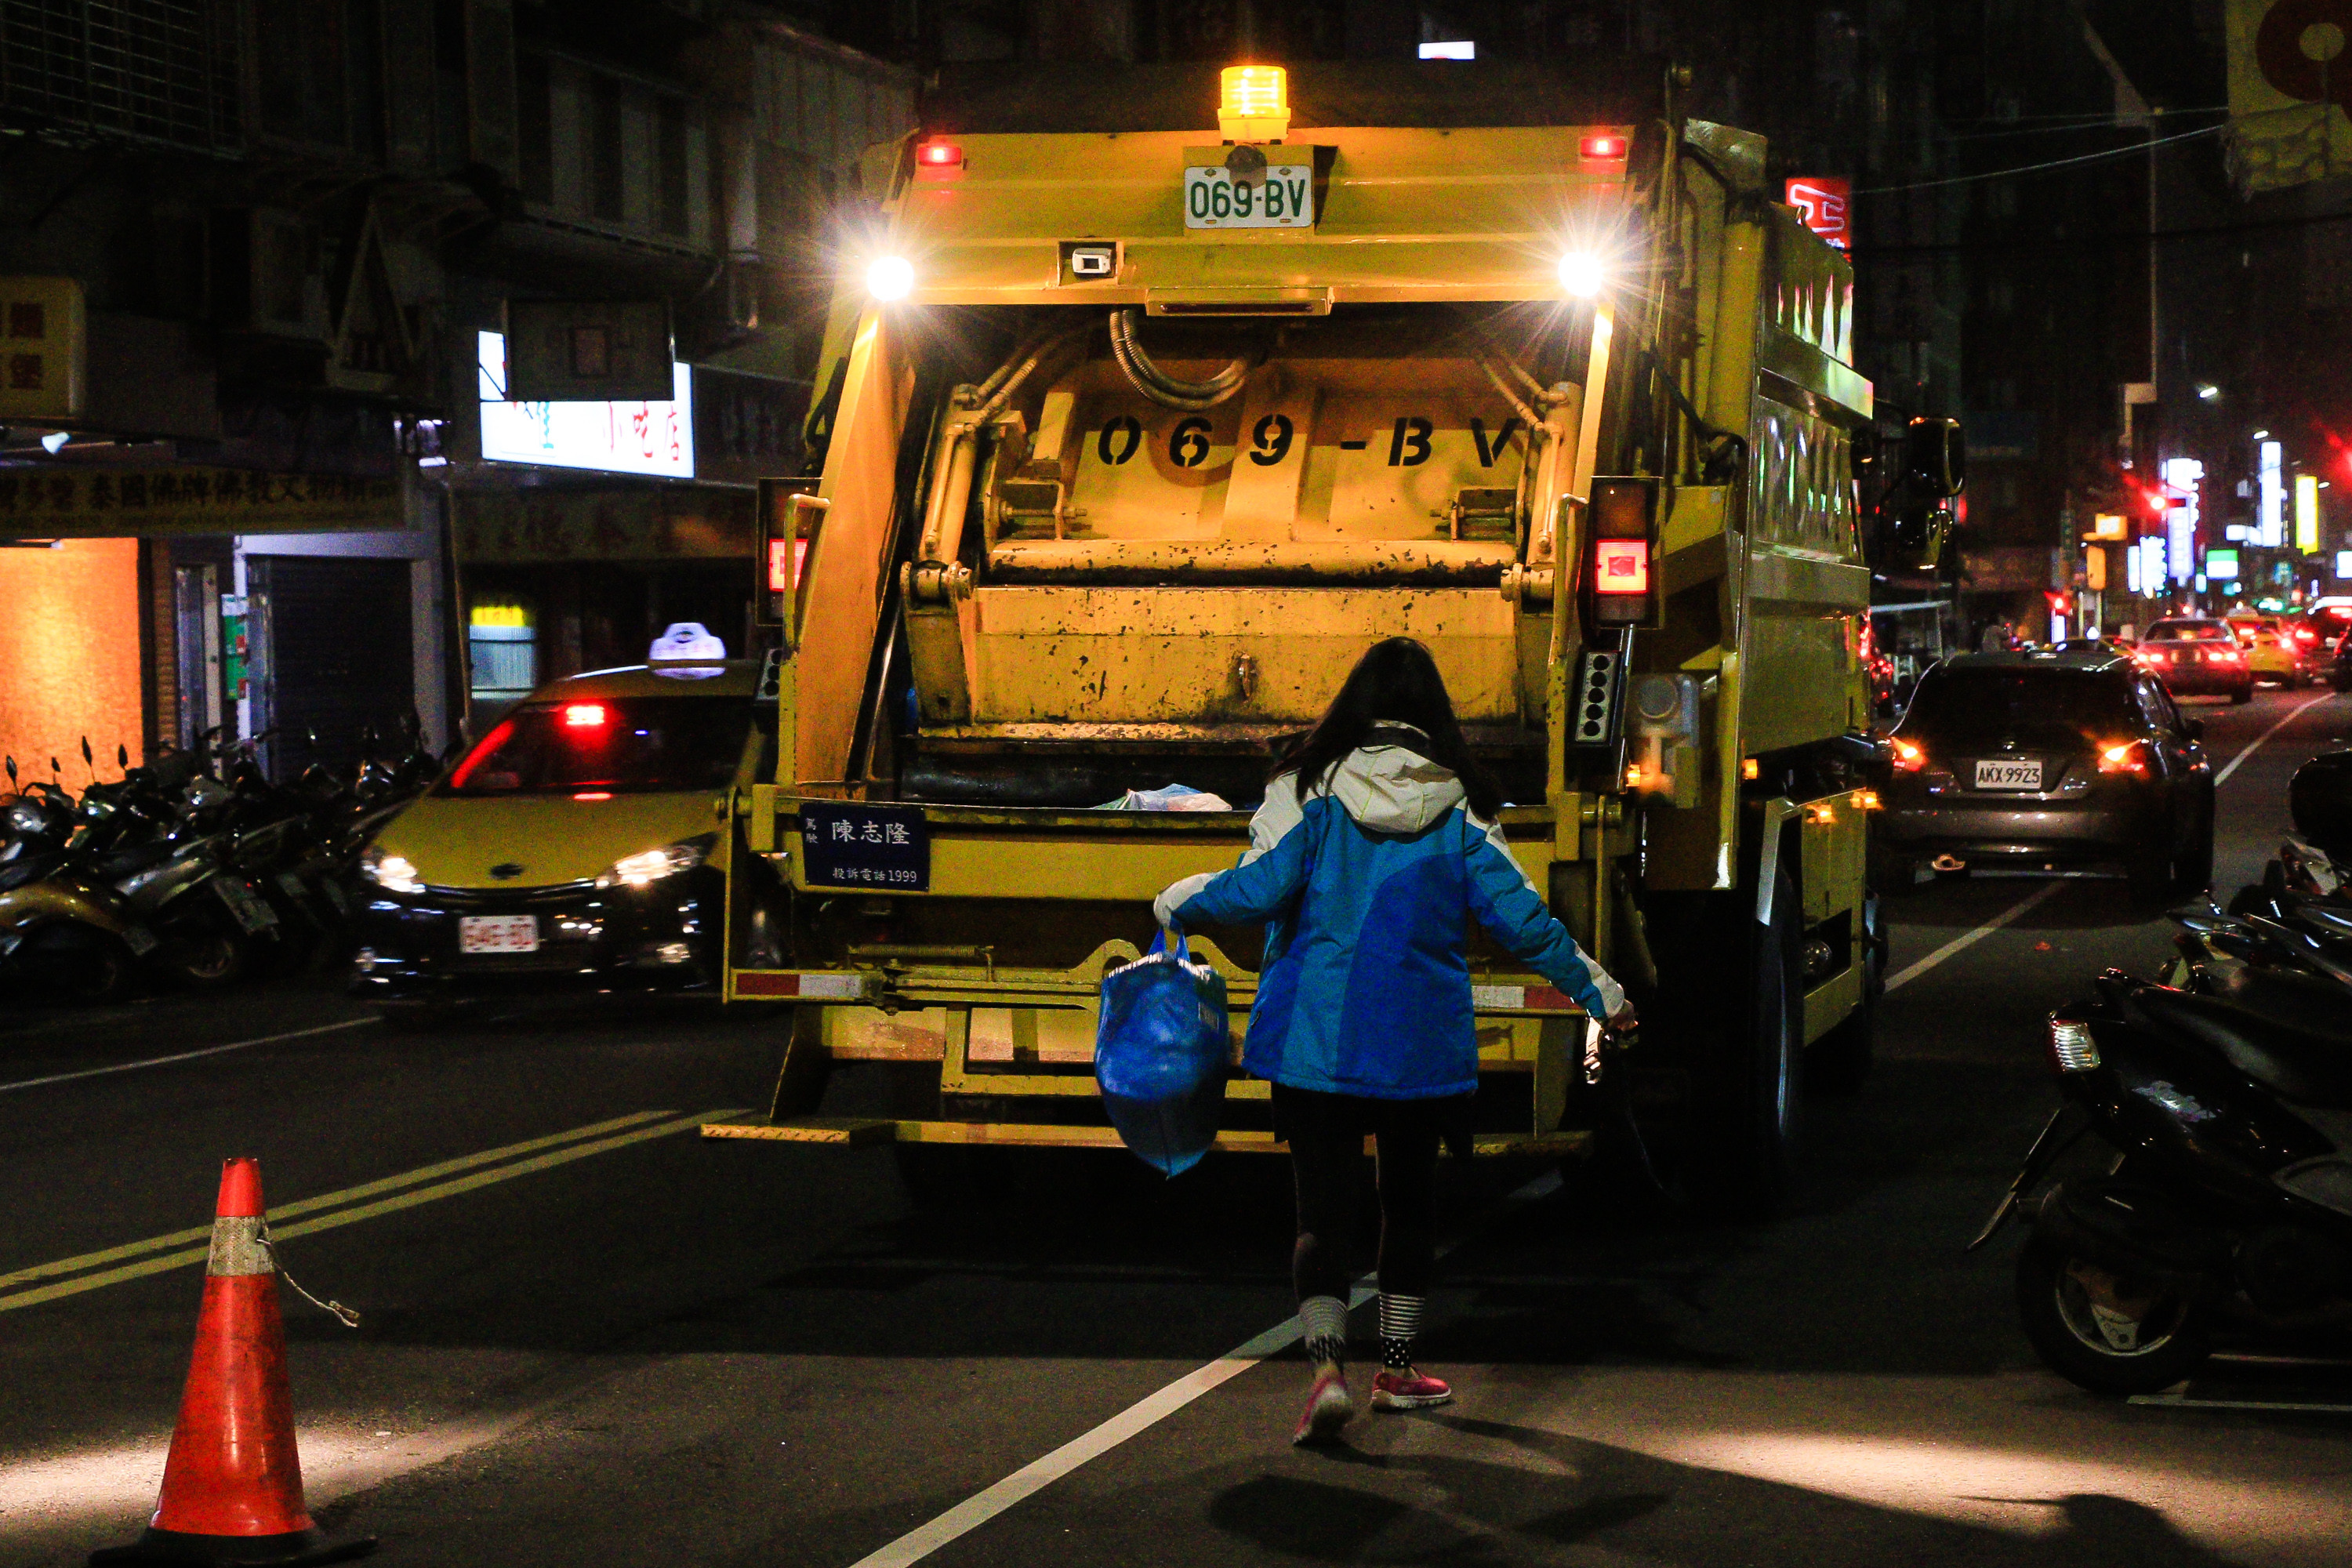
(1581, 273)
(890, 278)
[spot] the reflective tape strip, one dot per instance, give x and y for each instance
(237, 1249)
(1519, 999)
(823, 988)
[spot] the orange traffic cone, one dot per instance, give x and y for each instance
(233, 1482)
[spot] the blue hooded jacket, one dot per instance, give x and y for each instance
(1367, 887)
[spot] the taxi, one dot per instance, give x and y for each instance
(2275, 649)
(578, 845)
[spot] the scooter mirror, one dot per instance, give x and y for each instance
(87, 759)
(121, 755)
(12, 772)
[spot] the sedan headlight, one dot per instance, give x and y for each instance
(652, 864)
(393, 873)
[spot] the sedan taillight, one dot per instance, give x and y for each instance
(1909, 756)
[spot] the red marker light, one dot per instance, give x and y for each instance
(1601, 147)
(585, 716)
(1621, 566)
(779, 565)
(939, 155)
(593, 794)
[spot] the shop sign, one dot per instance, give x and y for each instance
(654, 438)
(643, 523)
(44, 348)
(1824, 204)
(81, 504)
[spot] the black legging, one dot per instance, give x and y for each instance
(1326, 1132)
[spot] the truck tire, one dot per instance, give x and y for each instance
(1840, 1061)
(1739, 1048)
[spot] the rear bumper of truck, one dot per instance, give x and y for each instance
(861, 1131)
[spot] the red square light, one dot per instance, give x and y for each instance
(1604, 147)
(938, 155)
(584, 716)
(779, 565)
(1621, 566)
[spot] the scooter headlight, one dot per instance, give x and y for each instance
(393, 873)
(2072, 1049)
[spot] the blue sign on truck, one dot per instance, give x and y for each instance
(844, 844)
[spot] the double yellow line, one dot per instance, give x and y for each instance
(159, 1254)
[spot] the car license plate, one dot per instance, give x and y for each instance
(1284, 199)
(498, 933)
(2009, 775)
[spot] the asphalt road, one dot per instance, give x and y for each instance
(590, 1336)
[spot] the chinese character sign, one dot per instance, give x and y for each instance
(613, 438)
(1823, 202)
(847, 844)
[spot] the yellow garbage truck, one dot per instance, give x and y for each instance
(1128, 441)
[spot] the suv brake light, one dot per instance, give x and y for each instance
(1909, 756)
(2127, 757)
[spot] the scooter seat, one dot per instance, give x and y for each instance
(2294, 1060)
(138, 858)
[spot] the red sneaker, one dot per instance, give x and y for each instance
(1408, 1390)
(1328, 1409)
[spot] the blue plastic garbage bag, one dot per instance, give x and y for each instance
(1159, 1055)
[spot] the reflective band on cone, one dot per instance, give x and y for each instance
(233, 1482)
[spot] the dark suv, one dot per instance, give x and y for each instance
(2048, 759)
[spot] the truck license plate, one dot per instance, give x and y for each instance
(1284, 199)
(2009, 775)
(498, 933)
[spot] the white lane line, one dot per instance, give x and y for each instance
(1961, 943)
(181, 1260)
(181, 1057)
(2251, 746)
(1033, 1477)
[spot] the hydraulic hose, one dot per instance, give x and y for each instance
(1192, 396)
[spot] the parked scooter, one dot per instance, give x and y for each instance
(2226, 1097)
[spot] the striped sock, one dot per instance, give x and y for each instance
(1400, 1321)
(1325, 1319)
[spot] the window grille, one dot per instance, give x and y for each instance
(157, 71)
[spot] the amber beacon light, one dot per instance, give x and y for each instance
(1253, 103)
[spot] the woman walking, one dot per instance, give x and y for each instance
(1375, 848)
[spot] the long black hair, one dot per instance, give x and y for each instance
(1396, 682)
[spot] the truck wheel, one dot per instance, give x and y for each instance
(1840, 1061)
(2160, 1339)
(1893, 875)
(1747, 1070)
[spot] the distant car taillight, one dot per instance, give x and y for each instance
(2226, 656)
(2072, 1049)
